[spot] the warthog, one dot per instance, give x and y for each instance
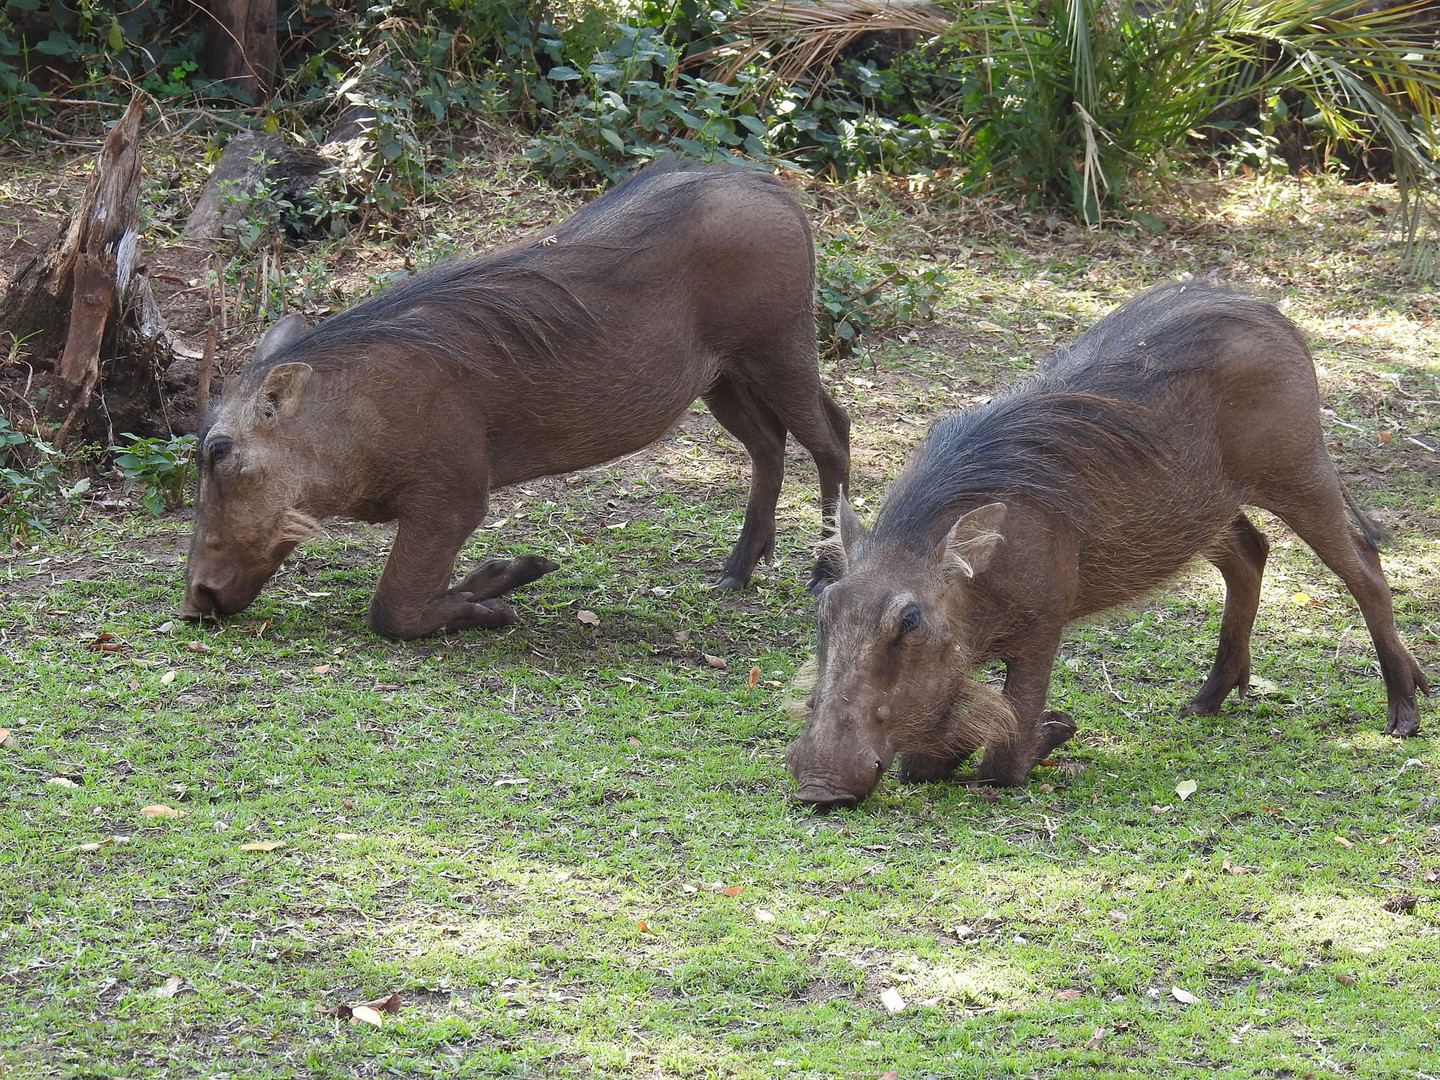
(1095, 480)
(562, 351)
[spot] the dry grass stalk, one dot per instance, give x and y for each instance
(805, 37)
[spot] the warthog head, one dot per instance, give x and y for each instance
(251, 478)
(893, 660)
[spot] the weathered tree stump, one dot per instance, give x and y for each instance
(81, 297)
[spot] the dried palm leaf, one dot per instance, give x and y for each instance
(804, 38)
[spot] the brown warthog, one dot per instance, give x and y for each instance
(562, 351)
(1090, 483)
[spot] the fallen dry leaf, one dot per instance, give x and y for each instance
(1345, 980)
(891, 1075)
(682, 636)
(733, 890)
(170, 988)
(321, 669)
(589, 618)
(1402, 903)
(368, 1012)
(1343, 842)
(1044, 789)
(364, 1014)
(891, 999)
(1183, 996)
(987, 325)
(6, 739)
(1185, 789)
(714, 661)
(1227, 867)
(761, 915)
(1069, 995)
(754, 677)
(1300, 598)
(1385, 436)
(160, 810)
(61, 782)
(263, 845)
(167, 678)
(199, 646)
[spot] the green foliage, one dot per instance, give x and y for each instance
(1067, 101)
(844, 135)
(632, 98)
(852, 299)
(631, 103)
(159, 468)
(33, 493)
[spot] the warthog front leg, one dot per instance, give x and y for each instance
(412, 599)
(1239, 554)
(1038, 730)
(928, 768)
(496, 577)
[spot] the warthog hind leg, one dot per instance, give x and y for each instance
(1321, 521)
(763, 436)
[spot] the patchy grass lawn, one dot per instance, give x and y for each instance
(569, 849)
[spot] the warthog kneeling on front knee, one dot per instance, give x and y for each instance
(560, 352)
(1128, 454)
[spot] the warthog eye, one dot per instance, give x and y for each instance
(909, 620)
(217, 450)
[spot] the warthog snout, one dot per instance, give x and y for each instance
(834, 776)
(213, 598)
(200, 600)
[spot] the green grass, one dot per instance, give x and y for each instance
(571, 849)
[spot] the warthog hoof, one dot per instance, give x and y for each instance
(1403, 723)
(496, 577)
(1053, 728)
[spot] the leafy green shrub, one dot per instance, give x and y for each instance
(1067, 100)
(160, 468)
(852, 300)
(33, 494)
(631, 104)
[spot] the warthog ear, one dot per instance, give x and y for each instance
(283, 389)
(969, 546)
(848, 524)
(278, 336)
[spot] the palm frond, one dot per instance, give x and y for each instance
(804, 38)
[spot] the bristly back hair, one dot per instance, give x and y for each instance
(1030, 442)
(520, 300)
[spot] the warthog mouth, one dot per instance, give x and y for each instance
(199, 602)
(202, 600)
(824, 796)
